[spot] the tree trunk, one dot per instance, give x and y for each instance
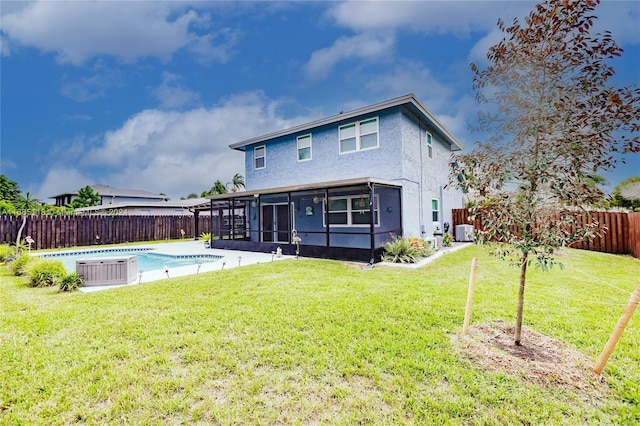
(523, 277)
(19, 237)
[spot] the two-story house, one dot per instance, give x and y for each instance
(343, 185)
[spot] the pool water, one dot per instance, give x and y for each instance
(147, 260)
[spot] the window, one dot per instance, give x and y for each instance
(359, 136)
(352, 211)
(260, 157)
(429, 145)
(435, 211)
(304, 147)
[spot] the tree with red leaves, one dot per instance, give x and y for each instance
(551, 119)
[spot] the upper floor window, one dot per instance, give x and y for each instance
(304, 147)
(260, 157)
(358, 136)
(429, 145)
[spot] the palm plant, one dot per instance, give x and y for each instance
(237, 182)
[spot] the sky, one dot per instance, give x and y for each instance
(149, 95)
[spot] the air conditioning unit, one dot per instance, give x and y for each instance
(464, 233)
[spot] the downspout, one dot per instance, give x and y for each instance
(441, 212)
(423, 231)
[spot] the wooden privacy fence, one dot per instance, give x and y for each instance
(50, 232)
(619, 232)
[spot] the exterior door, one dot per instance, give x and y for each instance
(275, 223)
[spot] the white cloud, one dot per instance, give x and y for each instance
(168, 151)
(370, 47)
(621, 18)
(93, 87)
(60, 180)
(77, 31)
(440, 17)
(172, 93)
(412, 77)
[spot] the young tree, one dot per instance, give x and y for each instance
(87, 197)
(217, 188)
(9, 190)
(554, 120)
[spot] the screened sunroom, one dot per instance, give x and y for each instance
(347, 219)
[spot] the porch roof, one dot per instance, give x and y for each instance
(297, 188)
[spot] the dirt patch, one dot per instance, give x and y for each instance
(540, 359)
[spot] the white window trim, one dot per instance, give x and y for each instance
(435, 222)
(429, 140)
(376, 212)
(310, 147)
(357, 136)
(264, 147)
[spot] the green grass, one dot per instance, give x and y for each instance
(310, 342)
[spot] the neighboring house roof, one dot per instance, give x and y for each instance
(630, 191)
(407, 100)
(108, 191)
(185, 204)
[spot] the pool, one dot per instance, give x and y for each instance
(147, 259)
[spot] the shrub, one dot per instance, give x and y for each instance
(447, 239)
(6, 252)
(71, 282)
(46, 273)
(409, 250)
(19, 265)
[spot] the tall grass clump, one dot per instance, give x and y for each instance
(71, 282)
(19, 265)
(6, 252)
(406, 250)
(46, 273)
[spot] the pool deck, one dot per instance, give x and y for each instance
(230, 259)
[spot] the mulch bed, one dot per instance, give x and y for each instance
(540, 360)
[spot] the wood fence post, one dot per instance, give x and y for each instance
(617, 332)
(472, 286)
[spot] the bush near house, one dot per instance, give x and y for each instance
(406, 250)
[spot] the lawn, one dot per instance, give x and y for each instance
(312, 342)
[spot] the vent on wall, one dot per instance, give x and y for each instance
(107, 271)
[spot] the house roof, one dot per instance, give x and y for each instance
(409, 100)
(108, 191)
(304, 187)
